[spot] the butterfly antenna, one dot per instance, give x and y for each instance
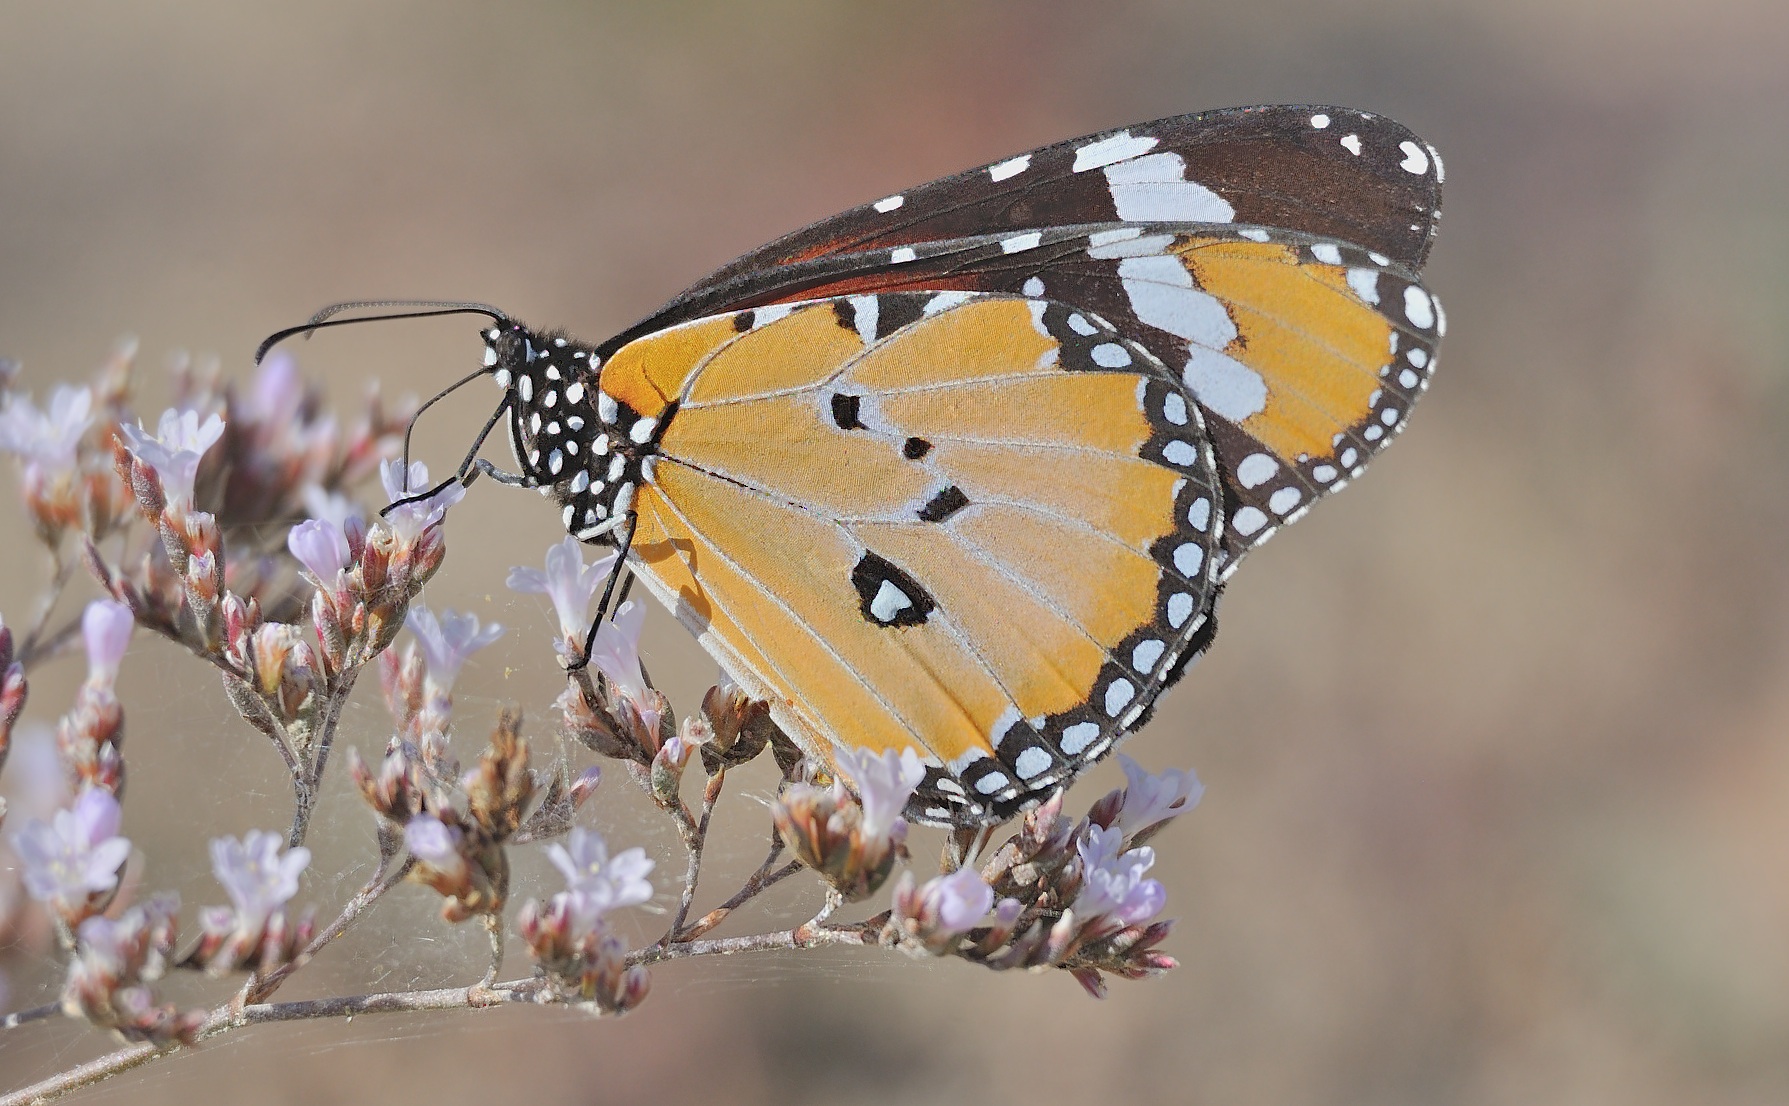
(324, 318)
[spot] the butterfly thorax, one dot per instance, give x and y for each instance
(577, 445)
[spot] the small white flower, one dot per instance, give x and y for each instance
(885, 781)
(616, 654)
(175, 449)
(76, 854)
(47, 438)
(447, 641)
(257, 878)
(410, 520)
(320, 547)
(597, 881)
(1113, 882)
(106, 627)
(1150, 799)
(959, 901)
(570, 584)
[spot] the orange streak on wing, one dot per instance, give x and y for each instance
(1089, 409)
(802, 348)
(789, 445)
(1124, 496)
(1318, 347)
(1063, 565)
(992, 337)
(649, 372)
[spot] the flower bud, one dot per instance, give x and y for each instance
(823, 827)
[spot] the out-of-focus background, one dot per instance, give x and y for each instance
(1497, 745)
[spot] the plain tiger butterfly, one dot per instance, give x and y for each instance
(965, 469)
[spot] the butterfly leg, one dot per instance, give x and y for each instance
(513, 479)
(470, 466)
(615, 575)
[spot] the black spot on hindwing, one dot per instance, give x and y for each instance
(943, 505)
(888, 596)
(845, 409)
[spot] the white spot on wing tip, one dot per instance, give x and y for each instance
(1418, 307)
(890, 203)
(1351, 143)
(1365, 283)
(1115, 147)
(1012, 167)
(1019, 243)
(900, 255)
(1319, 121)
(1416, 159)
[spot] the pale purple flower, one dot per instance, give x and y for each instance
(75, 854)
(1149, 799)
(432, 841)
(885, 781)
(597, 881)
(616, 651)
(175, 449)
(958, 901)
(257, 878)
(331, 507)
(1113, 884)
(410, 520)
(47, 438)
(616, 654)
(320, 547)
(569, 583)
(106, 627)
(448, 640)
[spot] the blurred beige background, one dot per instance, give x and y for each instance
(1497, 745)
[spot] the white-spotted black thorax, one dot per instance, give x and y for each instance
(577, 445)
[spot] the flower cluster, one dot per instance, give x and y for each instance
(227, 470)
(64, 487)
(569, 936)
(456, 828)
(114, 961)
(1076, 895)
(254, 931)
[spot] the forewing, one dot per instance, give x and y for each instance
(1326, 171)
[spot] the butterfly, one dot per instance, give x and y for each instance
(965, 469)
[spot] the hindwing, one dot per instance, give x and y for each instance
(983, 527)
